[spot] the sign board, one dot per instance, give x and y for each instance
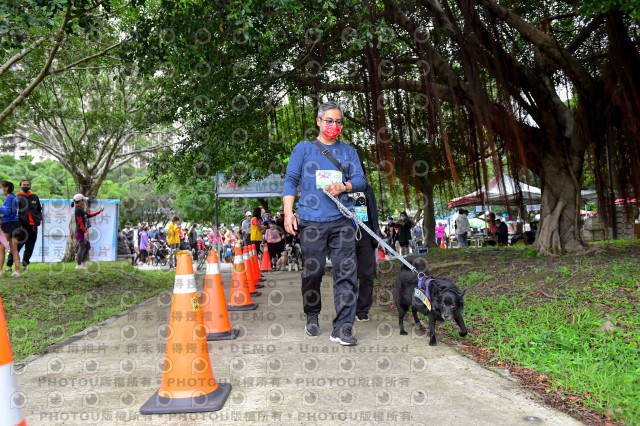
(54, 231)
(271, 186)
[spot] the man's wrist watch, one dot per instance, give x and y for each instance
(345, 187)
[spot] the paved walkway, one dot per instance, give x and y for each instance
(279, 375)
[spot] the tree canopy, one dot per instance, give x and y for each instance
(43, 38)
(447, 85)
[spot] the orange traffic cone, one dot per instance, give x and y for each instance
(250, 272)
(10, 398)
(240, 297)
(256, 265)
(187, 385)
(266, 259)
(214, 305)
(442, 244)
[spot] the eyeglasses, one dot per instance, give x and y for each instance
(330, 122)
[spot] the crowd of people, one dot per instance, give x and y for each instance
(258, 227)
(21, 217)
(403, 235)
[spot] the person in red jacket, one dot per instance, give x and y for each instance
(82, 229)
(30, 217)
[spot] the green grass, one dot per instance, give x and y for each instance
(560, 337)
(544, 313)
(53, 301)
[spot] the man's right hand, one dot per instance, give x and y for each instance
(290, 223)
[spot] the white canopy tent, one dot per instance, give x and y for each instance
(494, 193)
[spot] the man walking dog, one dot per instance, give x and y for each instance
(325, 163)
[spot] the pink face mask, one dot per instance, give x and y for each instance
(331, 131)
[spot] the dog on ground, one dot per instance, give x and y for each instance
(283, 261)
(446, 298)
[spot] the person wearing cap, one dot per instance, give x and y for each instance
(245, 228)
(323, 228)
(82, 229)
(161, 235)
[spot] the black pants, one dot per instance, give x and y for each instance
(258, 248)
(366, 273)
(83, 251)
(144, 256)
(336, 238)
(27, 237)
(274, 252)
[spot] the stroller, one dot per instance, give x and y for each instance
(159, 253)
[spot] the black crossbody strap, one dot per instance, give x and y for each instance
(331, 158)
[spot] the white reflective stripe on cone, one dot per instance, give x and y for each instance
(10, 410)
(184, 284)
(212, 268)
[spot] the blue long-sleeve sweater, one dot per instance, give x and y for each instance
(9, 209)
(310, 168)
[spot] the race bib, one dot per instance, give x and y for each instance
(327, 177)
(422, 297)
(361, 211)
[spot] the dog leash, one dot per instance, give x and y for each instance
(354, 217)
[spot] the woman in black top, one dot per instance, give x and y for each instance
(82, 229)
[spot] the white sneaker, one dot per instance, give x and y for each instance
(16, 274)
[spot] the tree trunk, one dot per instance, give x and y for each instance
(72, 244)
(429, 220)
(559, 227)
(264, 202)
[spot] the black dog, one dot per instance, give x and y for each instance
(446, 298)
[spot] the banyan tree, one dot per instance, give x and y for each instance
(434, 89)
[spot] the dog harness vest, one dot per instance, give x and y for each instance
(423, 295)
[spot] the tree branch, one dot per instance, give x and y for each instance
(43, 73)
(584, 34)
(88, 58)
(15, 58)
(544, 42)
(398, 83)
(42, 145)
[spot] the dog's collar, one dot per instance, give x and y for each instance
(426, 286)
